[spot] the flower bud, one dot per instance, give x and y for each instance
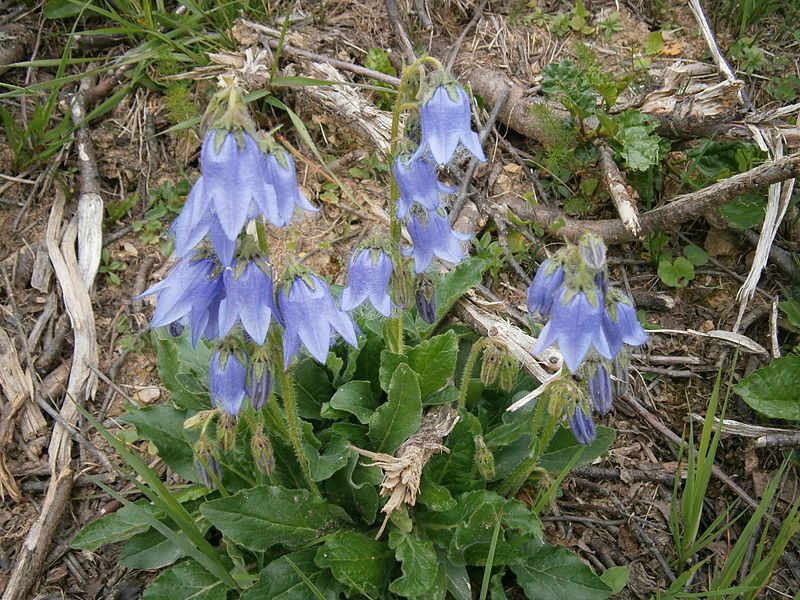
(226, 432)
(263, 455)
(490, 365)
(426, 300)
(175, 328)
(259, 385)
(205, 464)
(508, 371)
(484, 459)
(593, 252)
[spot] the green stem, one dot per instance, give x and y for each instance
(522, 473)
(261, 234)
(475, 351)
(294, 423)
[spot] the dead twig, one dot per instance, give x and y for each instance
(679, 210)
(624, 196)
(456, 48)
(34, 549)
(399, 30)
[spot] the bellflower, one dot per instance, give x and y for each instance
(600, 390)
(425, 297)
(190, 293)
(227, 382)
(248, 299)
(446, 121)
(417, 183)
(433, 238)
(576, 325)
(543, 288)
(232, 180)
(620, 324)
(279, 171)
(309, 316)
(368, 277)
(582, 426)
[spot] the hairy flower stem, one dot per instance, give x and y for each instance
(395, 326)
(295, 431)
(522, 473)
(477, 348)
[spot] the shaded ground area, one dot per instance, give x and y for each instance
(612, 512)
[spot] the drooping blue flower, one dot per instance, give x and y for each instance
(227, 382)
(206, 469)
(446, 121)
(543, 287)
(582, 426)
(417, 183)
(248, 299)
(368, 277)
(576, 325)
(593, 252)
(232, 180)
(259, 385)
(426, 299)
(621, 325)
(432, 236)
(191, 292)
(309, 316)
(279, 171)
(600, 390)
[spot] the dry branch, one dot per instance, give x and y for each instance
(684, 108)
(30, 559)
(679, 210)
(624, 197)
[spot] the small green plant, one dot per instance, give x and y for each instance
(378, 60)
(611, 25)
(163, 204)
(748, 54)
(680, 271)
(110, 267)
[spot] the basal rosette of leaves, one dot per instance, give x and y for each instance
(278, 387)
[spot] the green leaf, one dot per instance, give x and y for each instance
(518, 516)
(436, 497)
(358, 561)
(456, 470)
(313, 388)
(695, 255)
(677, 273)
(333, 457)
(356, 398)
(746, 211)
(418, 562)
(114, 527)
(554, 573)
(401, 415)
(791, 309)
(188, 580)
(149, 550)
(496, 589)
(434, 360)
(280, 581)
(354, 490)
(457, 579)
(389, 363)
(264, 516)
(183, 369)
(163, 425)
(654, 43)
(772, 390)
(616, 578)
(378, 60)
(641, 147)
(455, 284)
(61, 9)
(564, 446)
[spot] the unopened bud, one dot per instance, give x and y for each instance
(484, 459)
(263, 456)
(593, 252)
(426, 300)
(490, 365)
(508, 370)
(259, 385)
(226, 431)
(205, 464)
(175, 328)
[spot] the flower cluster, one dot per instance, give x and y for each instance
(588, 320)
(223, 286)
(445, 123)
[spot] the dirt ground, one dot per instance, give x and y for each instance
(614, 512)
